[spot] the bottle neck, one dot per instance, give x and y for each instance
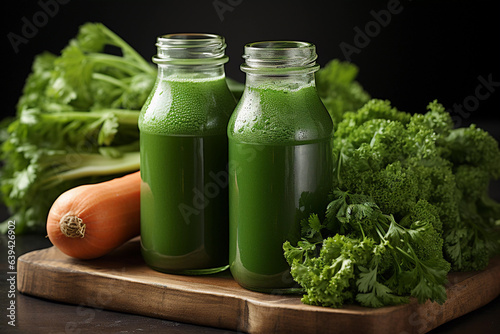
(288, 82)
(190, 72)
(286, 65)
(190, 56)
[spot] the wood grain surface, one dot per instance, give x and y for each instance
(122, 282)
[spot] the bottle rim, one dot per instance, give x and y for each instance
(280, 57)
(190, 49)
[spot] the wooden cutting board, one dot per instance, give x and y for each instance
(122, 282)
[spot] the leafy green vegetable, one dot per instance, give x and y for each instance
(400, 160)
(76, 123)
(370, 259)
(410, 203)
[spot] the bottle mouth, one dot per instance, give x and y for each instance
(280, 56)
(190, 48)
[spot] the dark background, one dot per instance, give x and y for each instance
(428, 50)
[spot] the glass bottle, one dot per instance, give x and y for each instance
(280, 164)
(183, 148)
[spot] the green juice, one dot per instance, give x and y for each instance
(279, 172)
(184, 193)
(273, 187)
(184, 201)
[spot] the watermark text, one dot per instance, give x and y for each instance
(223, 6)
(11, 273)
(31, 24)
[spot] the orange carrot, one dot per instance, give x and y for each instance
(89, 221)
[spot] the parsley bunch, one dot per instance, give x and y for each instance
(410, 203)
(373, 260)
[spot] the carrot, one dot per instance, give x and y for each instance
(91, 220)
